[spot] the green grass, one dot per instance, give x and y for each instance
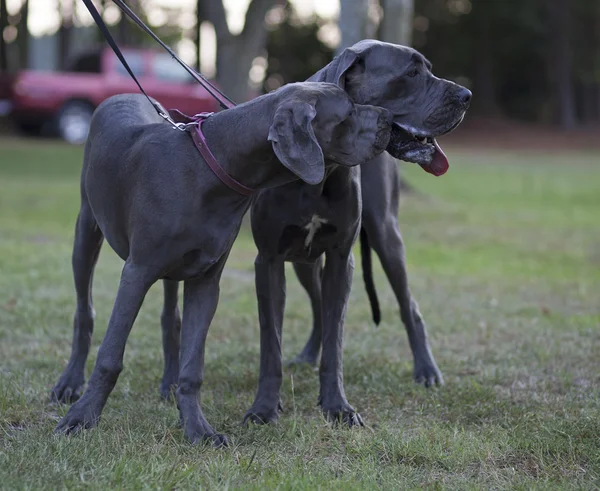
(504, 259)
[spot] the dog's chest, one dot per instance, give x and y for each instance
(308, 238)
(312, 227)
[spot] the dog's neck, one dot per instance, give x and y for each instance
(238, 138)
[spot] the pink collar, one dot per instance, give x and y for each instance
(194, 126)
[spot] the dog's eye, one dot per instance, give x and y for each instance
(414, 71)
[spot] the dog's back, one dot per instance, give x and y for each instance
(115, 125)
(121, 112)
(117, 120)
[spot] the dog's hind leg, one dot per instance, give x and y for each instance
(134, 284)
(86, 248)
(385, 237)
(310, 278)
(170, 321)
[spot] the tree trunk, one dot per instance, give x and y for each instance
(397, 24)
(560, 62)
(64, 31)
(597, 102)
(354, 22)
(595, 58)
(233, 67)
(484, 81)
(24, 36)
(99, 36)
(3, 24)
(124, 36)
(236, 53)
(587, 92)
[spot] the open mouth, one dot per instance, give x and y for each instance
(411, 145)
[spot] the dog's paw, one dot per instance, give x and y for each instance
(263, 415)
(428, 374)
(68, 389)
(167, 391)
(346, 416)
(78, 418)
(217, 440)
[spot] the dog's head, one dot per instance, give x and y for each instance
(399, 79)
(317, 122)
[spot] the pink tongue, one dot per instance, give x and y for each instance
(439, 163)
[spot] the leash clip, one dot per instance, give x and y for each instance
(176, 126)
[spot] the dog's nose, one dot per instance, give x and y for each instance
(464, 96)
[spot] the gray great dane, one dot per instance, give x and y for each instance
(145, 188)
(399, 79)
(302, 223)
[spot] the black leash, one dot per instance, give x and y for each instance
(98, 19)
(223, 100)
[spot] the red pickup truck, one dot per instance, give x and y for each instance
(66, 100)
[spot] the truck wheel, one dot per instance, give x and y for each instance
(74, 121)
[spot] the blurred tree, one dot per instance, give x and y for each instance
(65, 29)
(294, 50)
(586, 60)
(484, 60)
(236, 52)
(354, 22)
(497, 48)
(397, 23)
(101, 6)
(124, 36)
(128, 34)
(23, 36)
(560, 61)
(3, 24)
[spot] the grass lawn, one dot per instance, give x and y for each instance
(504, 258)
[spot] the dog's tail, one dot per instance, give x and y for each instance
(367, 267)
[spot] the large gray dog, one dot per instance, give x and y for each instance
(145, 188)
(424, 107)
(301, 223)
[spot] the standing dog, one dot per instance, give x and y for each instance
(145, 188)
(301, 223)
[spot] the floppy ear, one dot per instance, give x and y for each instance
(294, 141)
(349, 59)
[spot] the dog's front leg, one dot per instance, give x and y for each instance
(200, 299)
(86, 248)
(270, 292)
(310, 278)
(85, 413)
(337, 281)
